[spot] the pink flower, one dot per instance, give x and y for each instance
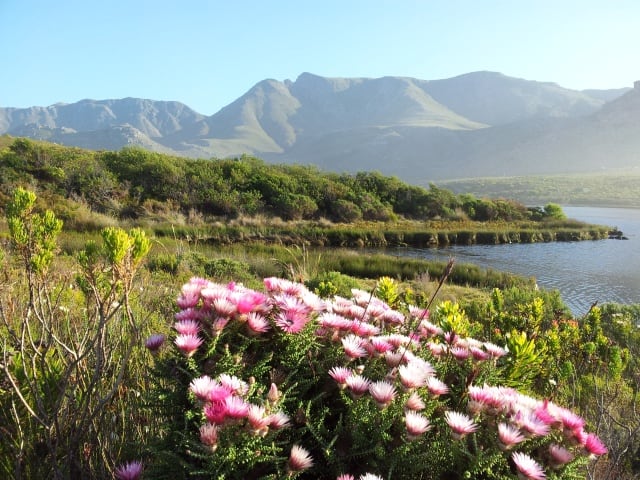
(340, 375)
(508, 436)
(216, 412)
(364, 329)
(460, 424)
(415, 402)
(278, 420)
(187, 327)
(233, 383)
(333, 320)
(154, 342)
(416, 424)
(380, 345)
(460, 353)
(291, 322)
(202, 386)
(528, 468)
(257, 323)
(224, 307)
(382, 392)
(479, 354)
(258, 419)
(594, 445)
(209, 435)
(353, 348)
(369, 476)
(188, 344)
(357, 384)
(494, 350)
(559, 456)
(299, 459)
(412, 376)
(190, 296)
(570, 420)
(345, 476)
(531, 425)
(236, 407)
(437, 387)
(129, 471)
(189, 314)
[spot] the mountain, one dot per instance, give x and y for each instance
(477, 124)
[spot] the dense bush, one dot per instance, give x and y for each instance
(128, 182)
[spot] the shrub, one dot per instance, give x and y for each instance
(280, 383)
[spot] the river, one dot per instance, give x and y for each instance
(583, 272)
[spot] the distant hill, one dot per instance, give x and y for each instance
(477, 124)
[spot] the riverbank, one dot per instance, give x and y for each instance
(392, 234)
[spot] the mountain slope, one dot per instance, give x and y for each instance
(477, 124)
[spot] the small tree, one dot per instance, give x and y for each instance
(65, 352)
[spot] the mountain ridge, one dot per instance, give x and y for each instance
(478, 123)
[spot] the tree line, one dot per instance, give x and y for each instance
(132, 181)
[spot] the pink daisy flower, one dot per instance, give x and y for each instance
(353, 348)
(494, 350)
(233, 383)
(369, 476)
(415, 402)
(188, 314)
(187, 327)
(345, 476)
(216, 412)
(209, 436)
(460, 424)
(340, 375)
(380, 345)
(478, 354)
(460, 353)
(416, 424)
(257, 323)
(190, 296)
(559, 456)
(382, 392)
(508, 436)
(202, 386)
(594, 445)
(291, 322)
(437, 387)
(224, 307)
(364, 329)
(531, 425)
(300, 459)
(357, 384)
(412, 376)
(236, 407)
(259, 421)
(279, 420)
(129, 471)
(333, 320)
(188, 344)
(528, 468)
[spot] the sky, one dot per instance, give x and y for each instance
(206, 54)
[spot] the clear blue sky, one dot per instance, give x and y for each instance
(208, 53)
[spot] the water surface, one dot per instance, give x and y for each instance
(584, 272)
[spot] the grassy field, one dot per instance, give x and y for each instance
(619, 189)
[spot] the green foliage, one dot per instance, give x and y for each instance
(328, 284)
(33, 234)
(128, 182)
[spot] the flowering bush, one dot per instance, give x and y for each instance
(285, 384)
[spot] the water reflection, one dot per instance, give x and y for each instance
(583, 272)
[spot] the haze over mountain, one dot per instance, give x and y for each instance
(477, 124)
